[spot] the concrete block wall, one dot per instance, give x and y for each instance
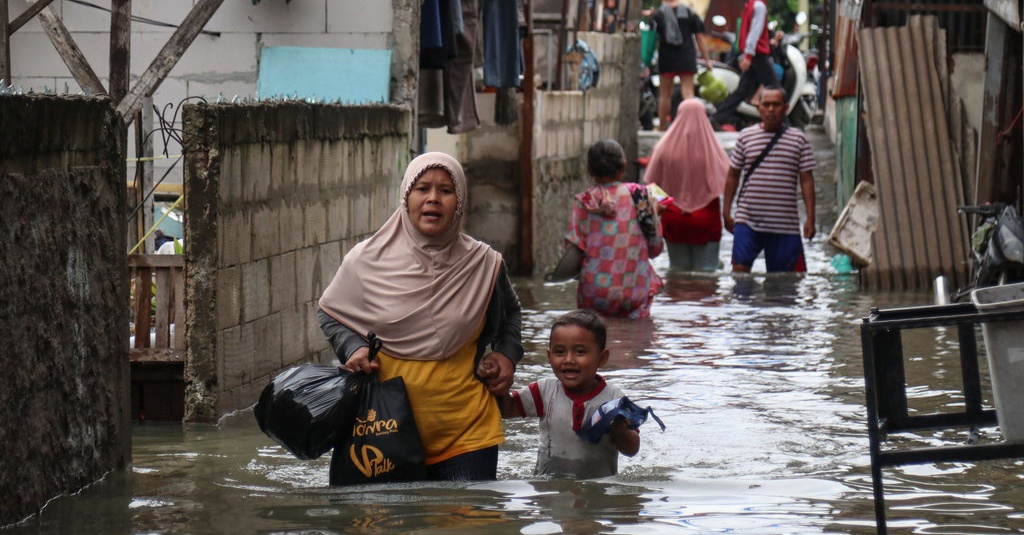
(224, 59)
(568, 123)
(276, 194)
(64, 302)
(565, 124)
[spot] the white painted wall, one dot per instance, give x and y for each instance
(215, 65)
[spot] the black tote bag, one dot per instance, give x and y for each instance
(384, 444)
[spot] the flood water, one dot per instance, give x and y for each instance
(759, 381)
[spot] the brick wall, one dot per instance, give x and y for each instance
(276, 194)
(63, 300)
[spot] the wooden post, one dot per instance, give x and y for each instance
(5, 45)
(526, 178)
(69, 51)
(559, 83)
(168, 57)
(999, 105)
(120, 47)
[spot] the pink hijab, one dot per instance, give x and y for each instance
(423, 296)
(688, 162)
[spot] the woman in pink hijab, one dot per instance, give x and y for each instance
(690, 165)
(446, 311)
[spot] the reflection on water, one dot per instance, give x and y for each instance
(758, 379)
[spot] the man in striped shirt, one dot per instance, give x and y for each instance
(767, 218)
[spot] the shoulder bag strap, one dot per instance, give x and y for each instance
(760, 158)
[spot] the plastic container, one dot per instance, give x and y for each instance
(1004, 343)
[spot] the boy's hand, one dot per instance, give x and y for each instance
(626, 440)
(496, 371)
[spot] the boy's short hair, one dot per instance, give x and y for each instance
(586, 319)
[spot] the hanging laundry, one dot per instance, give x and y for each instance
(502, 58)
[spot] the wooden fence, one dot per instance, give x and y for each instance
(158, 352)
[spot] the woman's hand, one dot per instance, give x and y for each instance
(359, 361)
(496, 371)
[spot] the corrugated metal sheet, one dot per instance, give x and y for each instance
(904, 81)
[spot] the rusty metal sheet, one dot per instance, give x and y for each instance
(915, 164)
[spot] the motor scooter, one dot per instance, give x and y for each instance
(997, 246)
(802, 95)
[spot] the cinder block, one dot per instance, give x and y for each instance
(338, 217)
(314, 225)
(230, 182)
(330, 259)
(293, 334)
(306, 16)
(268, 344)
(371, 41)
(236, 355)
(331, 167)
(307, 275)
(229, 287)
(291, 222)
(256, 169)
(315, 337)
(234, 237)
(266, 231)
(282, 282)
(360, 17)
(255, 290)
(312, 152)
(280, 162)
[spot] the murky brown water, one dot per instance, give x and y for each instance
(759, 381)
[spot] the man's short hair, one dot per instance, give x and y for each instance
(779, 88)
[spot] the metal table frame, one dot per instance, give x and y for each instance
(886, 395)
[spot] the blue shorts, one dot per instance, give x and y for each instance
(782, 252)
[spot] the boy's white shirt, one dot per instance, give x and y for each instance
(561, 451)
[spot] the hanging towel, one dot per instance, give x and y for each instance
(673, 35)
(501, 43)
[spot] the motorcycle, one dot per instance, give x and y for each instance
(997, 246)
(802, 93)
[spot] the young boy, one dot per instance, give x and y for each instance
(576, 350)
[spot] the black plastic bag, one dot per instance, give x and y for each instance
(310, 408)
(384, 445)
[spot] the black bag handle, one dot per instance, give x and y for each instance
(375, 345)
(760, 158)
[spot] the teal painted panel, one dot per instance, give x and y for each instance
(846, 148)
(346, 75)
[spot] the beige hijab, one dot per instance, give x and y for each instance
(688, 162)
(423, 296)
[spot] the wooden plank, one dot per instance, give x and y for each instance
(1006, 10)
(164, 300)
(33, 9)
(120, 48)
(156, 260)
(168, 57)
(993, 108)
(5, 44)
(143, 295)
(156, 356)
(69, 51)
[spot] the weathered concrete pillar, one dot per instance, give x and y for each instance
(63, 299)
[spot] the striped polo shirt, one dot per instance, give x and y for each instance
(768, 202)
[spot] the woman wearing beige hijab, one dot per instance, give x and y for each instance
(690, 165)
(446, 311)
